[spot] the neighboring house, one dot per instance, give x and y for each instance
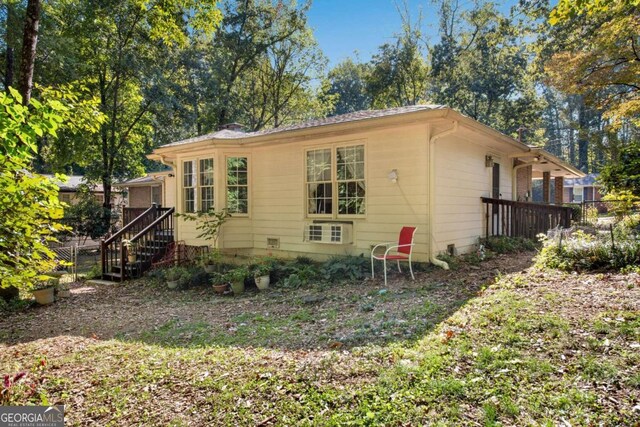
(70, 188)
(143, 191)
(582, 189)
(339, 185)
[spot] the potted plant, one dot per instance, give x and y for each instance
(236, 278)
(62, 290)
(211, 260)
(44, 290)
(175, 276)
(131, 250)
(219, 283)
(261, 273)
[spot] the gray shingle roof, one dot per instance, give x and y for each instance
(334, 120)
(589, 180)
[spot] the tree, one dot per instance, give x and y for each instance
(597, 55)
(250, 28)
(623, 174)
(278, 89)
(482, 67)
(29, 206)
(124, 57)
(399, 73)
(348, 82)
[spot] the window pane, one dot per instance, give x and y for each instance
(351, 184)
(189, 200)
(319, 186)
(238, 185)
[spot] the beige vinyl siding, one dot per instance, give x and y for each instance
(279, 205)
(461, 178)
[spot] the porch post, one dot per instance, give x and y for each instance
(546, 187)
(559, 183)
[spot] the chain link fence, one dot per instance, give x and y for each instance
(77, 259)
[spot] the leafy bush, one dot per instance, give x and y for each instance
(584, 252)
(621, 203)
(345, 267)
(506, 245)
(304, 269)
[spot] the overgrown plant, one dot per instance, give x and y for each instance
(345, 268)
(208, 223)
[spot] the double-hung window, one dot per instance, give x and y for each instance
(198, 185)
(237, 185)
(335, 181)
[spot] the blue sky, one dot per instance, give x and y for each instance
(345, 26)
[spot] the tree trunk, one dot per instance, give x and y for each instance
(583, 140)
(8, 76)
(29, 43)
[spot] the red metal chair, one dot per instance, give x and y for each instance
(401, 252)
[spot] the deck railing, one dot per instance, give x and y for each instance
(522, 219)
(153, 225)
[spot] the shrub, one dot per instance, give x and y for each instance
(345, 267)
(584, 252)
(303, 268)
(505, 244)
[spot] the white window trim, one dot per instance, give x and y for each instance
(249, 186)
(197, 187)
(334, 180)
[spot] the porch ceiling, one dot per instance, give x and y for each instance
(543, 161)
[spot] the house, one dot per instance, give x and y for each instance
(583, 189)
(339, 185)
(70, 189)
(143, 191)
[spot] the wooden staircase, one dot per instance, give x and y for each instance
(150, 233)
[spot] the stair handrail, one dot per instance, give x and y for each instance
(152, 225)
(127, 227)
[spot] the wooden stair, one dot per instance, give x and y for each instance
(151, 233)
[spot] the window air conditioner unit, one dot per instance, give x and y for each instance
(331, 233)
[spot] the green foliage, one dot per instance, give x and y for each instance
(623, 172)
(506, 244)
(87, 218)
(341, 268)
(584, 252)
(348, 82)
(621, 202)
(29, 205)
(238, 274)
(596, 56)
(208, 223)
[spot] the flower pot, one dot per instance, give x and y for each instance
(237, 287)
(131, 258)
(262, 282)
(173, 284)
(44, 296)
(210, 268)
(219, 289)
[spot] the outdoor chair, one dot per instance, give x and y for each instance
(400, 252)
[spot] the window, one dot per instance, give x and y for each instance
(206, 184)
(336, 178)
(66, 198)
(189, 186)
(319, 187)
(156, 195)
(350, 173)
(578, 192)
(198, 193)
(237, 185)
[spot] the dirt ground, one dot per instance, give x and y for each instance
(322, 315)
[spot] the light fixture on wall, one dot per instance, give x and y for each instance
(488, 161)
(393, 175)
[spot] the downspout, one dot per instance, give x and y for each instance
(432, 196)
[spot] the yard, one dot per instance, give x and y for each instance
(453, 347)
